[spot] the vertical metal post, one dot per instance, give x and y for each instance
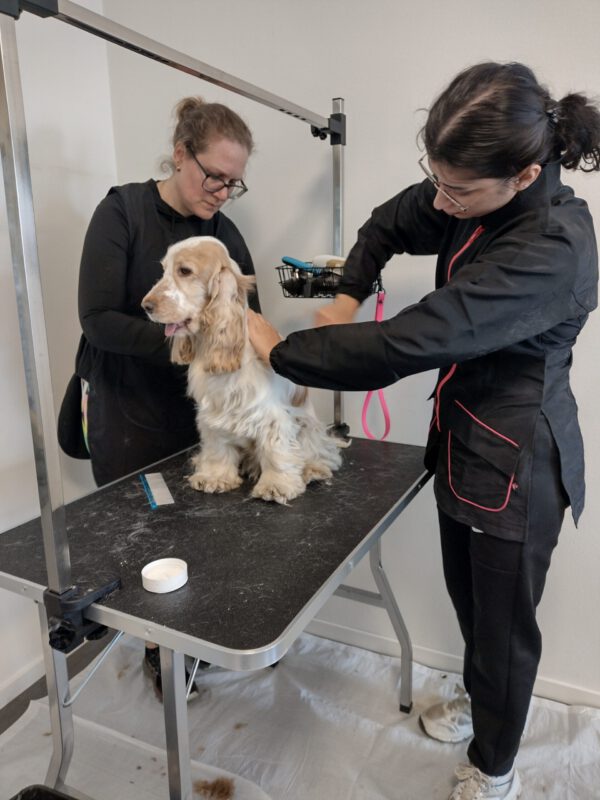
(61, 716)
(338, 187)
(26, 271)
(338, 232)
(172, 667)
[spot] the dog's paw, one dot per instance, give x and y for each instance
(316, 472)
(214, 484)
(278, 489)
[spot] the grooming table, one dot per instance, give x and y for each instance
(258, 573)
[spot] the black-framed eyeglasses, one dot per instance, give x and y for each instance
(214, 184)
(436, 183)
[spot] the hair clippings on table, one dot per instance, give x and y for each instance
(552, 114)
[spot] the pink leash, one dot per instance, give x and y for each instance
(382, 403)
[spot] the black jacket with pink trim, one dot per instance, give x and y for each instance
(513, 290)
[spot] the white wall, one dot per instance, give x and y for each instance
(387, 62)
(71, 149)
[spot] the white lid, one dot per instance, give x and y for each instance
(164, 575)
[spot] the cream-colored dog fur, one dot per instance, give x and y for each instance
(251, 420)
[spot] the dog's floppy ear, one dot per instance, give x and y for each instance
(183, 349)
(223, 320)
(245, 283)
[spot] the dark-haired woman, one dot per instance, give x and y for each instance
(135, 408)
(516, 279)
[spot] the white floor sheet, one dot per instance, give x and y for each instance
(323, 725)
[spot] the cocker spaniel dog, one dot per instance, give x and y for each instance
(251, 421)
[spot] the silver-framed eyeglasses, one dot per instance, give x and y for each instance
(213, 184)
(436, 183)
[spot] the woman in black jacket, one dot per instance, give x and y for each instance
(516, 278)
(136, 411)
(134, 405)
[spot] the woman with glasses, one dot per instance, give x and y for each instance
(516, 278)
(134, 399)
(126, 406)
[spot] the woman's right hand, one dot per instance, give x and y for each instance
(341, 311)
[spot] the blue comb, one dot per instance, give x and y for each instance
(297, 264)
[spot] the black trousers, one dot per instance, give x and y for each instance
(495, 586)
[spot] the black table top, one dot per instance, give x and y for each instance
(252, 566)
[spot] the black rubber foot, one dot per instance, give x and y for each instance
(406, 709)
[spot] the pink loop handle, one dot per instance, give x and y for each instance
(386, 415)
(380, 394)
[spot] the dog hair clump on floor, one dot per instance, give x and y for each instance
(219, 789)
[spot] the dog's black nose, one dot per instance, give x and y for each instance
(148, 307)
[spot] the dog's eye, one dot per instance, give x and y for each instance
(184, 271)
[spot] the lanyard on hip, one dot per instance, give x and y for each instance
(380, 395)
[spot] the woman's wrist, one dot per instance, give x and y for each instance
(342, 310)
(347, 303)
(263, 336)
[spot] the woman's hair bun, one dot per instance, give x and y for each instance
(198, 123)
(188, 105)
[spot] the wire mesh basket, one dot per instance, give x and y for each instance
(298, 282)
(311, 281)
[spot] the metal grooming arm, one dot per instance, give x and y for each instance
(17, 180)
(61, 609)
(26, 271)
(321, 127)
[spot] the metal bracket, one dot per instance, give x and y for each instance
(69, 699)
(67, 624)
(43, 8)
(336, 128)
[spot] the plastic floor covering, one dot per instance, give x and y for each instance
(323, 725)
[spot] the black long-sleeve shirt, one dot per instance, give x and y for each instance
(137, 393)
(513, 290)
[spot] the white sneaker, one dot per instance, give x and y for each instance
(450, 721)
(474, 785)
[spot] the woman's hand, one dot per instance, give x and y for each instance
(263, 336)
(340, 312)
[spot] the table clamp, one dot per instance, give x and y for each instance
(67, 623)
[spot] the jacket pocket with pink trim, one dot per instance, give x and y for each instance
(482, 460)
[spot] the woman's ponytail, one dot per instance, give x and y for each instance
(578, 132)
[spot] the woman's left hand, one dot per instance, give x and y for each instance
(263, 335)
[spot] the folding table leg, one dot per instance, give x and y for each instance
(61, 718)
(172, 666)
(389, 602)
